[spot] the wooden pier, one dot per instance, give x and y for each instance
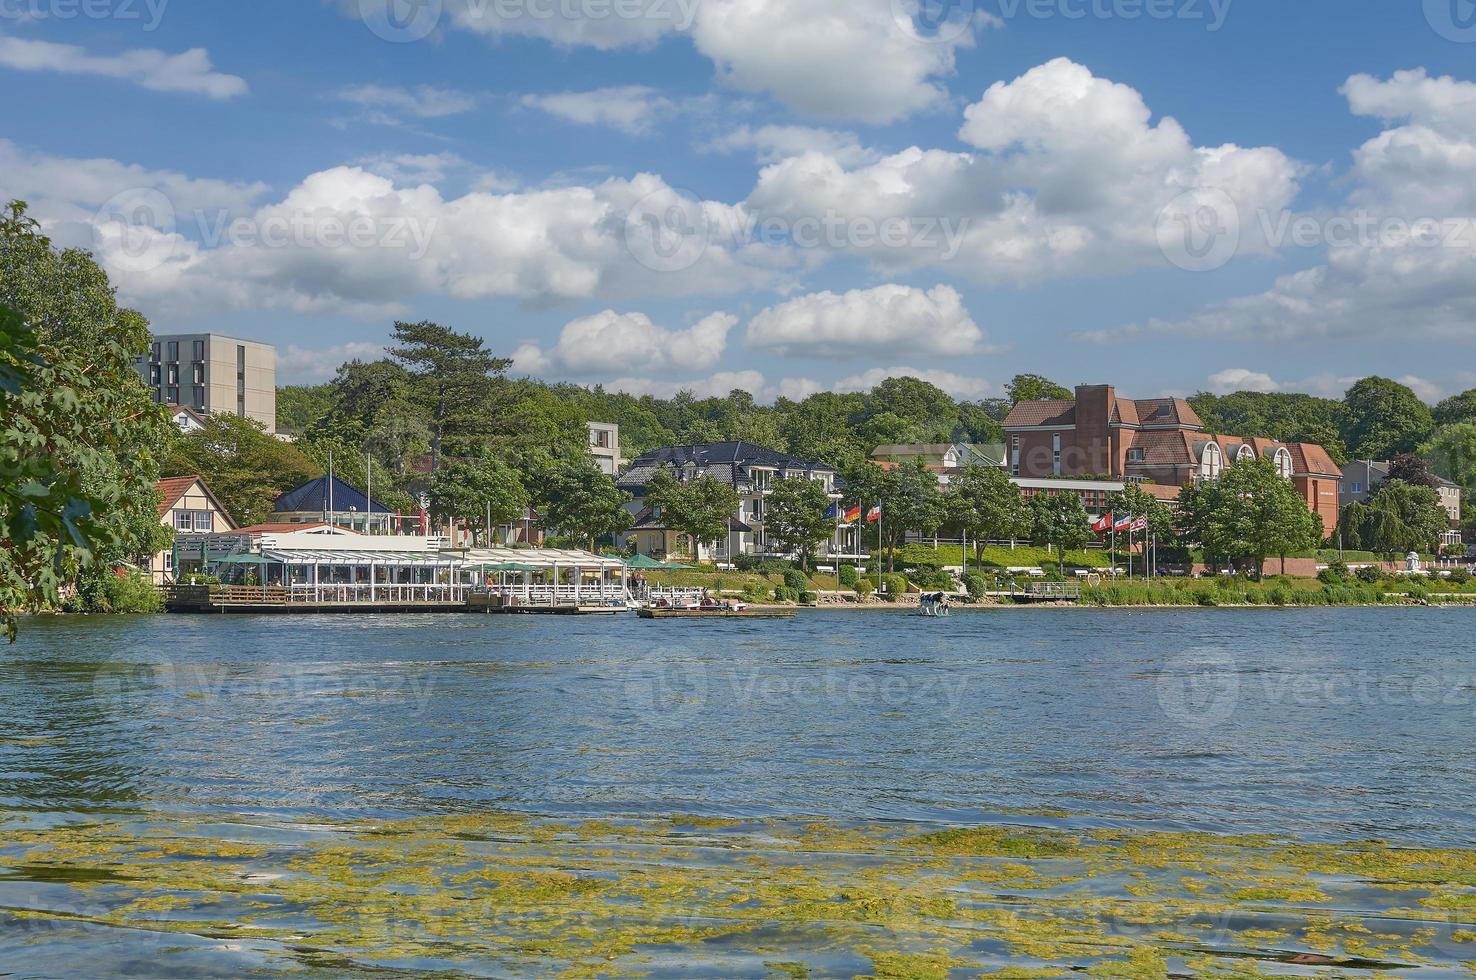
(278, 600)
(717, 613)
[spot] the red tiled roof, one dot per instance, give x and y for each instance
(171, 489)
(1160, 491)
(1162, 411)
(1313, 459)
(1171, 448)
(1042, 412)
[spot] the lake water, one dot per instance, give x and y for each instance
(1318, 726)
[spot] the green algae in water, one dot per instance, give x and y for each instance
(676, 895)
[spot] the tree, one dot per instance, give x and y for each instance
(1282, 416)
(1413, 469)
(1452, 452)
(470, 490)
(1383, 418)
(1250, 513)
(796, 517)
(701, 508)
(452, 377)
(987, 506)
(1060, 521)
(1134, 501)
(1401, 517)
(910, 501)
(301, 407)
(245, 468)
(1033, 387)
(75, 397)
(1457, 409)
(579, 499)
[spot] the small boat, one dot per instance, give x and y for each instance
(934, 604)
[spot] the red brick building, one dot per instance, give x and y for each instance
(1158, 440)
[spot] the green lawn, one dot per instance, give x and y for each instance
(1024, 556)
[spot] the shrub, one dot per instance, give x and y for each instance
(795, 580)
(975, 584)
(864, 588)
(746, 563)
(129, 593)
(756, 592)
(847, 576)
(808, 598)
(1334, 574)
(934, 579)
(1459, 576)
(774, 566)
(895, 586)
(1370, 575)
(1282, 595)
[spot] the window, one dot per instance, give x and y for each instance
(154, 352)
(1015, 456)
(199, 350)
(204, 521)
(184, 520)
(1056, 454)
(1136, 455)
(197, 397)
(174, 374)
(173, 395)
(1284, 464)
(199, 374)
(1211, 462)
(173, 350)
(155, 377)
(1357, 488)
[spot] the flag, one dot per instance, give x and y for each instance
(424, 522)
(833, 512)
(1103, 524)
(853, 514)
(874, 514)
(1141, 524)
(1123, 523)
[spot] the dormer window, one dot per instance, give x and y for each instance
(1211, 462)
(1136, 455)
(1284, 464)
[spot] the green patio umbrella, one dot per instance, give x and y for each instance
(509, 566)
(243, 560)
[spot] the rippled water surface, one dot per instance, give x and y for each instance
(1321, 726)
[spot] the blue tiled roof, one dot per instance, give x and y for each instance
(312, 498)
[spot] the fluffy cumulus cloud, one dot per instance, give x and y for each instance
(1241, 379)
(1325, 385)
(632, 109)
(885, 320)
(712, 386)
(189, 71)
(959, 386)
(1401, 254)
(308, 365)
(353, 241)
(818, 57)
(611, 343)
(1069, 176)
(771, 144)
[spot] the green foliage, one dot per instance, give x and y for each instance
(1249, 513)
(80, 439)
(976, 585)
(1452, 453)
(1283, 417)
(701, 508)
(864, 587)
(580, 499)
(124, 591)
(1033, 387)
(301, 408)
(893, 587)
(795, 517)
(1334, 574)
(1400, 517)
(1060, 521)
(1369, 575)
(1457, 409)
(244, 467)
(987, 506)
(1383, 418)
(452, 378)
(796, 579)
(464, 489)
(847, 576)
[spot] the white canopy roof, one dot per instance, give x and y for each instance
(539, 557)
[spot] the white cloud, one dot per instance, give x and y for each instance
(855, 59)
(771, 144)
(632, 109)
(797, 389)
(958, 385)
(819, 57)
(1241, 379)
(204, 246)
(1401, 253)
(1069, 178)
(189, 71)
(870, 322)
(608, 343)
(305, 366)
(420, 101)
(715, 386)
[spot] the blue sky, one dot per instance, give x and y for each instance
(503, 171)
